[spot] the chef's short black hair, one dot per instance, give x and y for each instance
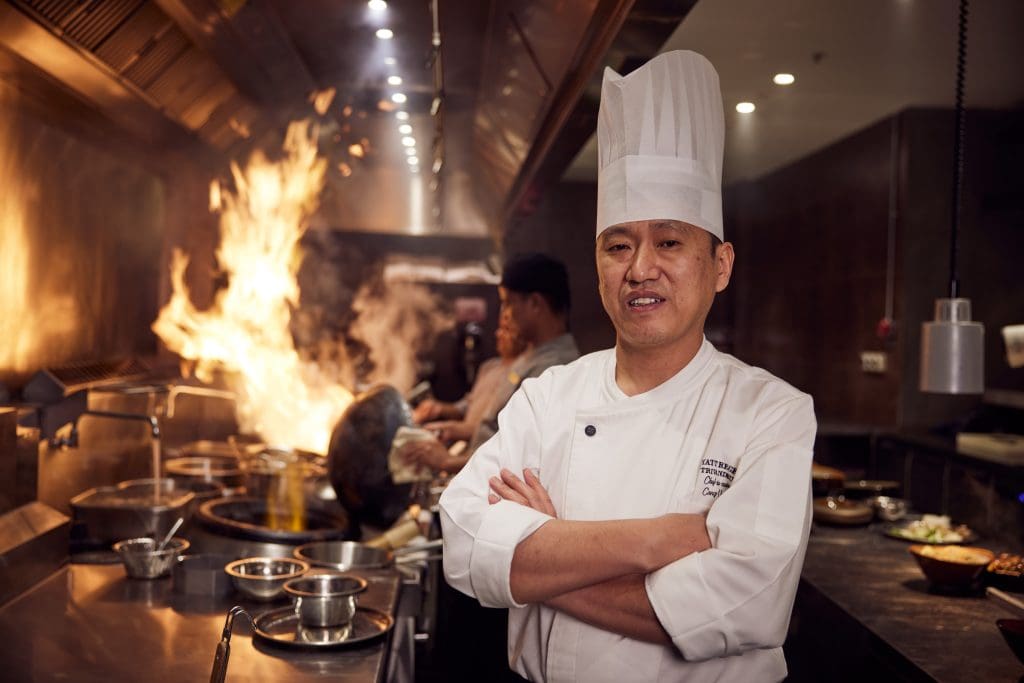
(534, 272)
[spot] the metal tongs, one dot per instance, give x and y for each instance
(220, 659)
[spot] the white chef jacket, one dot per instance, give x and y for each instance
(720, 437)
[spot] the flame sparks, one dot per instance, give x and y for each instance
(246, 333)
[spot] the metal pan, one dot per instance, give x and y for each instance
(348, 555)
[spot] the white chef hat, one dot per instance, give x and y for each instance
(660, 136)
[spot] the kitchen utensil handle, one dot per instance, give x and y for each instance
(220, 662)
(429, 545)
(170, 534)
(1008, 599)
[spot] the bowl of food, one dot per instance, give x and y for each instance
(263, 578)
(1006, 571)
(1013, 634)
(954, 566)
(932, 530)
(325, 599)
(142, 560)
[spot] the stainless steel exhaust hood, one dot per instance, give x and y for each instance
(227, 76)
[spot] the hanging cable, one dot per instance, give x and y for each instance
(958, 149)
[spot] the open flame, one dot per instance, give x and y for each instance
(289, 396)
(286, 400)
(36, 315)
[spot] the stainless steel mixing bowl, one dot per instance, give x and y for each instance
(263, 578)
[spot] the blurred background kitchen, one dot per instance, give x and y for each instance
(226, 219)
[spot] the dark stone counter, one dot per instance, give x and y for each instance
(90, 623)
(864, 609)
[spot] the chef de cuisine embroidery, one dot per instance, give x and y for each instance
(716, 476)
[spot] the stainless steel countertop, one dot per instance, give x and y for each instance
(91, 623)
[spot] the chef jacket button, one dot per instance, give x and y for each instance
(590, 430)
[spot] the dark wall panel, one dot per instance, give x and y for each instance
(809, 280)
(991, 243)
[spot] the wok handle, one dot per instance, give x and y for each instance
(429, 545)
(220, 662)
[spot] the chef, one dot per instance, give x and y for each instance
(643, 512)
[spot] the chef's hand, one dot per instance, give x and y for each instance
(527, 491)
(430, 454)
(427, 410)
(450, 431)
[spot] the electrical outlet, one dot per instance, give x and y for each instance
(873, 361)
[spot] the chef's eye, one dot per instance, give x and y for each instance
(669, 244)
(616, 247)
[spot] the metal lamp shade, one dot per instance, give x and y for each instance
(953, 350)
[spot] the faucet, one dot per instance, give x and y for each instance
(172, 391)
(175, 390)
(71, 441)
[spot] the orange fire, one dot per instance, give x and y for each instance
(281, 397)
(31, 332)
(291, 398)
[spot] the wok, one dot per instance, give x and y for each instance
(358, 457)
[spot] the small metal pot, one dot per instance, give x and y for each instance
(323, 600)
(143, 561)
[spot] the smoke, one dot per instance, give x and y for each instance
(350, 320)
(394, 321)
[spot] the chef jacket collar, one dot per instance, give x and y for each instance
(669, 390)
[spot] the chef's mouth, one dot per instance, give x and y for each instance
(640, 302)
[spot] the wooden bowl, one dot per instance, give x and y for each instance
(951, 565)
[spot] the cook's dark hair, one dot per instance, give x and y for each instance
(535, 272)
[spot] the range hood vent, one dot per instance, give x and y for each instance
(84, 23)
(141, 46)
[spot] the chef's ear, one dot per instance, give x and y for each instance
(724, 258)
(536, 301)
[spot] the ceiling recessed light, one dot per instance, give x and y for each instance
(412, 161)
(410, 151)
(399, 98)
(385, 33)
(390, 61)
(402, 115)
(783, 79)
(405, 129)
(409, 141)
(394, 80)
(745, 107)
(377, 5)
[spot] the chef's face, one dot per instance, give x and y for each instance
(657, 281)
(516, 311)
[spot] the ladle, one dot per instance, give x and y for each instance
(170, 534)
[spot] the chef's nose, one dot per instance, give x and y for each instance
(644, 265)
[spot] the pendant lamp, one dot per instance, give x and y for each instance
(953, 345)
